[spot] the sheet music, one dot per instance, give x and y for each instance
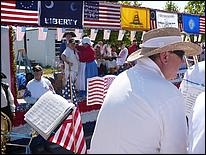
(45, 115)
(190, 92)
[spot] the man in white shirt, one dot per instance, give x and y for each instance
(37, 86)
(143, 111)
(197, 133)
(191, 86)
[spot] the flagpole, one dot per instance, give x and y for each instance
(71, 95)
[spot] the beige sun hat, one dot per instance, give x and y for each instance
(162, 40)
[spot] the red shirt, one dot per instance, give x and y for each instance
(132, 48)
(86, 53)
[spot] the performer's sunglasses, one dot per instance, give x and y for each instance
(179, 53)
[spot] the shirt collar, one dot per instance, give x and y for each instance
(149, 64)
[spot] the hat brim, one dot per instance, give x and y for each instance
(190, 49)
(71, 33)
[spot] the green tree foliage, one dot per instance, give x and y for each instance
(133, 3)
(195, 7)
(170, 6)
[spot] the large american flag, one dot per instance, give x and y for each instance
(153, 24)
(19, 13)
(202, 24)
(70, 134)
(101, 15)
(97, 89)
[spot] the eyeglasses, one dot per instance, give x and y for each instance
(179, 53)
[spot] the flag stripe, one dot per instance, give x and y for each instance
(97, 89)
(70, 135)
(11, 15)
(202, 24)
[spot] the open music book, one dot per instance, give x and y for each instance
(47, 113)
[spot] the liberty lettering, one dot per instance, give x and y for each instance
(60, 21)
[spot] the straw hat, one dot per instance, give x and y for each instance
(162, 40)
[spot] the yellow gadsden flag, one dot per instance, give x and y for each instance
(135, 18)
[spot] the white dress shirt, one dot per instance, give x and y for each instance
(197, 132)
(142, 113)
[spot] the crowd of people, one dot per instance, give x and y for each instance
(143, 112)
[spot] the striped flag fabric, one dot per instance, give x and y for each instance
(202, 24)
(106, 34)
(20, 32)
(93, 34)
(121, 34)
(132, 35)
(153, 24)
(42, 33)
(70, 134)
(97, 88)
(19, 13)
(60, 33)
(99, 14)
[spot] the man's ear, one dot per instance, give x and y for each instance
(164, 56)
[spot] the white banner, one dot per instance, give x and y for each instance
(20, 32)
(165, 19)
(107, 34)
(60, 33)
(121, 34)
(79, 33)
(93, 34)
(132, 35)
(42, 33)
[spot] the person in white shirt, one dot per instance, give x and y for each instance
(71, 60)
(197, 133)
(7, 99)
(122, 56)
(192, 85)
(143, 111)
(36, 87)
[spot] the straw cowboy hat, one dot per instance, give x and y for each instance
(162, 40)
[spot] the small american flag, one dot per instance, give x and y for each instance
(70, 135)
(153, 24)
(20, 32)
(60, 33)
(202, 24)
(19, 13)
(42, 33)
(101, 15)
(97, 89)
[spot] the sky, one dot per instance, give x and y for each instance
(160, 4)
